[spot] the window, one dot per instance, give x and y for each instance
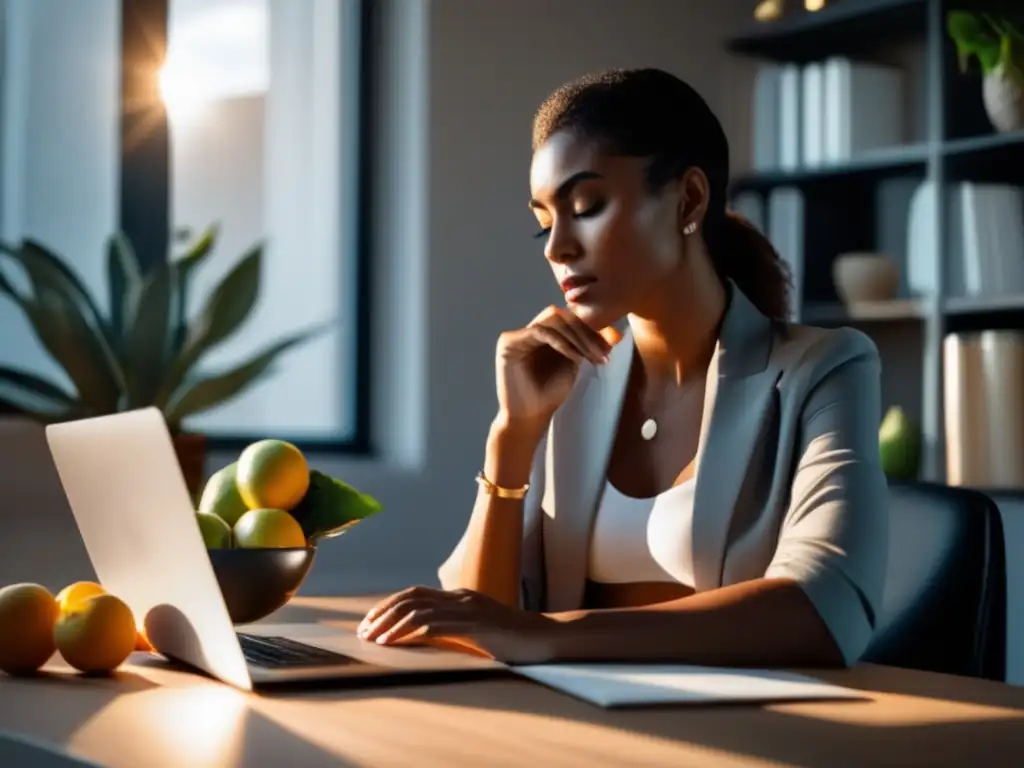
(264, 119)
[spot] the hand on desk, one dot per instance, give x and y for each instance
(460, 620)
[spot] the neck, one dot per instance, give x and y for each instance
(676, 331)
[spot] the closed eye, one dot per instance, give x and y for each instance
(593, 210)
(543, 233)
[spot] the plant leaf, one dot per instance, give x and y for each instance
(77, 347)
(227, 308)
(124, 277)
(146, 339)
(973, 35)
(331, 506)
(59, 293)
(33, 395)
(182, 270)
(211, 391)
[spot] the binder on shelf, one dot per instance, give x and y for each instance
(864, 108)
(766, 136)
(786, 232)
(989, 221)
(790, 117)
(813, 107)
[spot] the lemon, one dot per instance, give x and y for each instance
(27, 615)
(268, 528)
(216, 532)
(272, 474)
(221, 497)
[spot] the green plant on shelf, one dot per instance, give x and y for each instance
(146, 348)
(996, 40)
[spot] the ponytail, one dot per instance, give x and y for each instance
(741, 253)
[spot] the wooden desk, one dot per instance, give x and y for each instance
(152, 716)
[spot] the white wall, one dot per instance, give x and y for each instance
(467, 78)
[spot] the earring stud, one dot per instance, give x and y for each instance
(690, 228)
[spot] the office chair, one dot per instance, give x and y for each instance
(944, 608)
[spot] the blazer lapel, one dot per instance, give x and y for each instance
(579, 444)
(740, 399)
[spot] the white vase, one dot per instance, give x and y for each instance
(1003, 92)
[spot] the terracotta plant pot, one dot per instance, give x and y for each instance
(860, 277)
(1003, 94)
(191, 451)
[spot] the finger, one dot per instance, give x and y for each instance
(411, 626)
(590, 342)
(397, 613)
(559, 343)
(388, 602)
(611, 335)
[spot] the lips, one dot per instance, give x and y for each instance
(575, 281)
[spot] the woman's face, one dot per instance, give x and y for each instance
(609, 241)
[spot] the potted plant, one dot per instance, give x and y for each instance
(997, 40)
(144, 350)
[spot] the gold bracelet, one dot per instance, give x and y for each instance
(497, 490)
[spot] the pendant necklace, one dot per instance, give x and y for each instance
(649, 428)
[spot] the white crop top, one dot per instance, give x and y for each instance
(636, 540)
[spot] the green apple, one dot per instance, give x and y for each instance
(221, 496)
(216, 533)
(899, 445)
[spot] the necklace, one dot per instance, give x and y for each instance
(649, 429)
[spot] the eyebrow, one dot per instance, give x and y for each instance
(567, 186)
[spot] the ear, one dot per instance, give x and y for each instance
(693, 192)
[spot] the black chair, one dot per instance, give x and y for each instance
(944, 608)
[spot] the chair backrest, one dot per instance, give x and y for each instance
(39, 538)
(944, 608)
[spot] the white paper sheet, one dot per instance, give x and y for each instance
(624, 685)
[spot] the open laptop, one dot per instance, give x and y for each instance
(131, 504)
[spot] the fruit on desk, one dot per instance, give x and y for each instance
(272, 474)
(221, 497)
(268, 528)
(73, 594)
(27, 615)
(899, 445)
(97, 634)
(216, 533)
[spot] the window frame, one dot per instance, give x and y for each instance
(145, 197)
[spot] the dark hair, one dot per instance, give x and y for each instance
(651, 113)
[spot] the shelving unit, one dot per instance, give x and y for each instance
(954, 142)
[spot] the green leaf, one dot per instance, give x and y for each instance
(227, 308)
(59, 292)
(183, 268)
(146, 339)
(77, 347)
(124, 277)
(330, 507)
(33, 395)
(211, 391)
(973, 35)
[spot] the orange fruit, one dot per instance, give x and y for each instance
(272, 474)
(27, 615)
(268, 528)
(74, 594)
(97, 634)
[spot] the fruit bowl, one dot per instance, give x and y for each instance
(256, 582)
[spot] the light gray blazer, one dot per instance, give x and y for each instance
(788, 478)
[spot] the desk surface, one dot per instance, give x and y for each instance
(155, 716)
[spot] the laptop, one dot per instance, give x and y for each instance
(129, 499)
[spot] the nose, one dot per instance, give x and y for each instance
(562, 246)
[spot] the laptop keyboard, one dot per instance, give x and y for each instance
(275, 652)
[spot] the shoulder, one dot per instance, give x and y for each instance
(805, 354)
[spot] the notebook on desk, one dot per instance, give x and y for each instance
(632, 685)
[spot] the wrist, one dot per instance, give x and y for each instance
(510, 449)
(507, 428)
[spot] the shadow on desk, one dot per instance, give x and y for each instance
(914, 720)
(125, 719)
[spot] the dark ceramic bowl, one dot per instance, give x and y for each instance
(256, 582)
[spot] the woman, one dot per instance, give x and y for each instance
(705, 489)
